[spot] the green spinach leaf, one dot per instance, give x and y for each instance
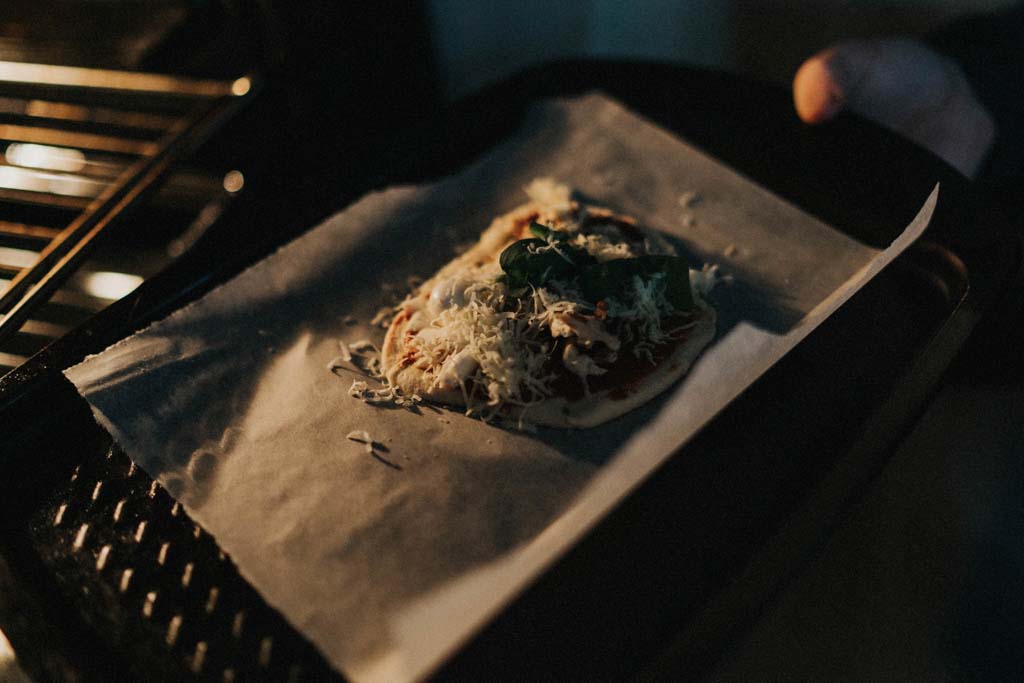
(608, 279)
(536, 262)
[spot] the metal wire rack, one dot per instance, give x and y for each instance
(80, 149)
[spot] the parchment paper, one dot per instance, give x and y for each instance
(388, 561)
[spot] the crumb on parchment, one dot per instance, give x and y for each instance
(361, 436)
(382, 318)
(689, 199)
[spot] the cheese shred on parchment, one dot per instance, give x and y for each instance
(361, 436)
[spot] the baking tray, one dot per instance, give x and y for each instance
(666, 582)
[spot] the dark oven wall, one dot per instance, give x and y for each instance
(338, 76)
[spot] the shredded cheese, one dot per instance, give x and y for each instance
(689, 199)
(346, 353)
(603, 248)
(471, 337)
(383, 316)
(466, 333)
(549, 194)
(363, 345)
(581, 365)
(492, 355)
(704, 280)
(361, 436)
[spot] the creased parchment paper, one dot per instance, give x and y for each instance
(388, 561)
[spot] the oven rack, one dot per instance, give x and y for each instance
(80, 149)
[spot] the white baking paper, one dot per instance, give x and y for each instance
(388, 560)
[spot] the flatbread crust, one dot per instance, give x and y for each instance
(593, 408)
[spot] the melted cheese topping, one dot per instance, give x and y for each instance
(467, 334)
(645, 306)
(492, 355)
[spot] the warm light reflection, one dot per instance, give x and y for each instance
(45, 156)
(78, 77)
(233, 181)
(108, 285)
(17, 258)
(241, 86)
(15, 178)
(56, 110)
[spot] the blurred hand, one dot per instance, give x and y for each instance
(904, 86)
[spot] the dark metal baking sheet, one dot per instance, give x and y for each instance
(649, 579)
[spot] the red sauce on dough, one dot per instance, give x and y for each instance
(626, 375)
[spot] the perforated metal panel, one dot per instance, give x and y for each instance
(157, 587)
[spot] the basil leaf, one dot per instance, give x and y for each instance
(677, 284)
(525, 265)
(603, 280)
(536, 262)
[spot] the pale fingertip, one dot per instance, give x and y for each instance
(816, 94)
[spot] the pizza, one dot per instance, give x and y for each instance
(563, 314)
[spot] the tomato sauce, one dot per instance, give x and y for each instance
(623, 377)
